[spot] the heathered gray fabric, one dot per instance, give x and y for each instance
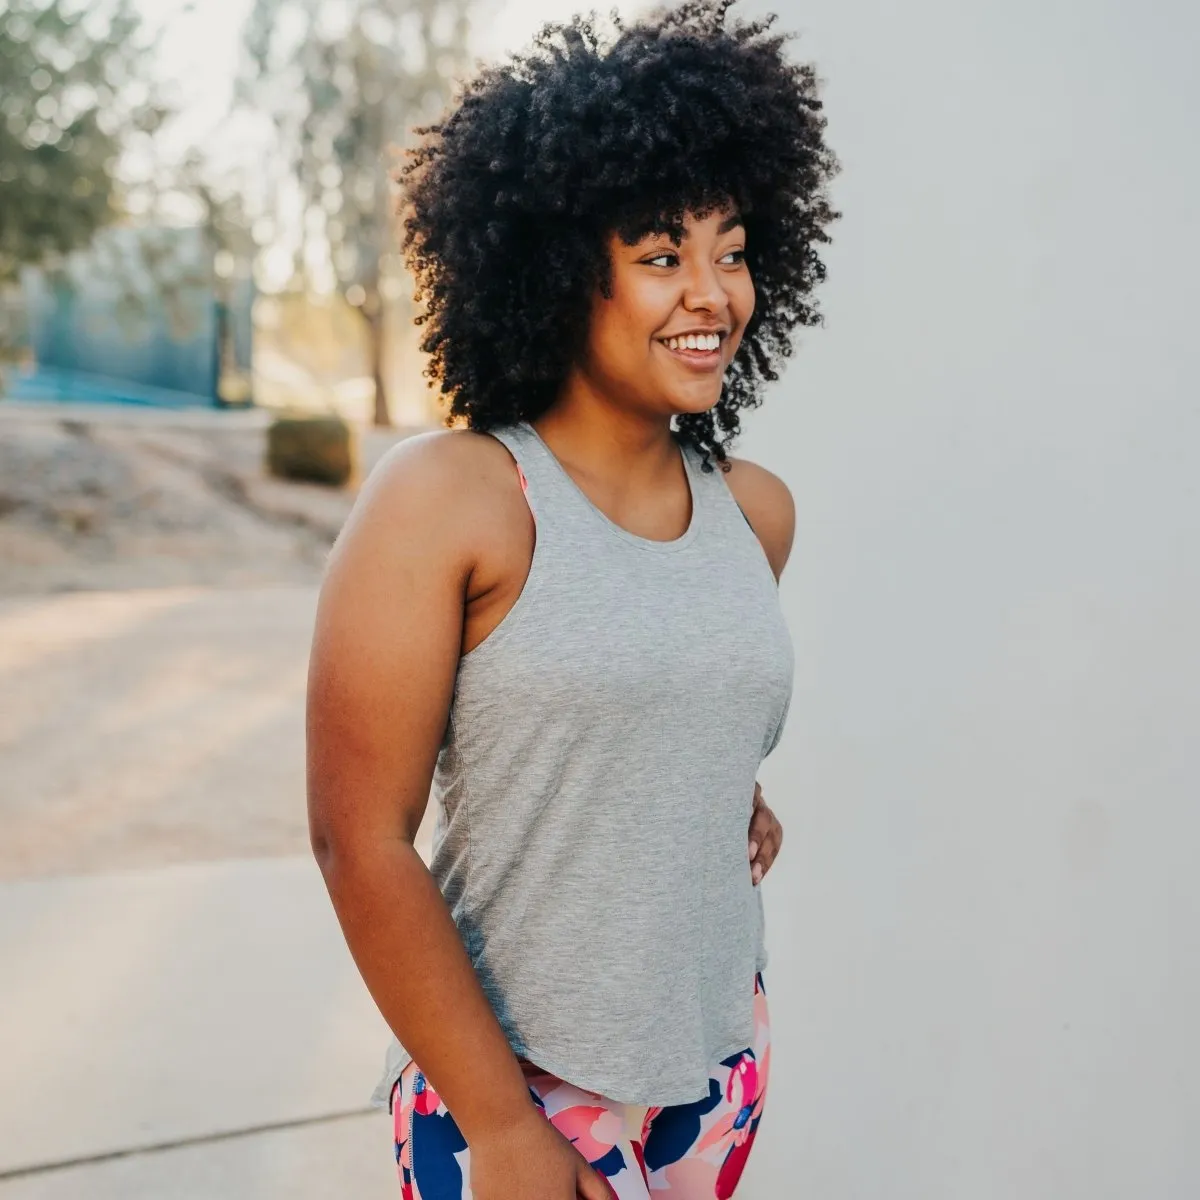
(595, 788)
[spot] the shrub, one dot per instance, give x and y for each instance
(318, 449)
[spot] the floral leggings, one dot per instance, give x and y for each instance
(685, 1152)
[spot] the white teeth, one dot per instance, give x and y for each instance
(694, 341)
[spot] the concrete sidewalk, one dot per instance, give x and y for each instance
(344, 1157)
(184, 1005)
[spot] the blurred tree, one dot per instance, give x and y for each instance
(74, 94)
(344, 83)
(229, 243)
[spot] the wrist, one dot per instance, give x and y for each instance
(500, 1123)
(495, 1105)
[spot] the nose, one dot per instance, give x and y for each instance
(703, 289)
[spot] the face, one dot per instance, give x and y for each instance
(663, 340)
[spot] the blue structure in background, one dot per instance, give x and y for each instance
(169, 355)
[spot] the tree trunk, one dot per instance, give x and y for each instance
(373, 315)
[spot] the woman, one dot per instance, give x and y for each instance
(565, 616)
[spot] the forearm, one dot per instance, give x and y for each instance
(416, 968)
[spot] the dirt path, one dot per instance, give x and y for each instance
(154, 726)
(95, 499)
(157, 593)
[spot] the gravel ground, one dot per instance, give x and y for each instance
(132, 499)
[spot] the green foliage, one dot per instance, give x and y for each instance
(73, 95)
(77, 94)
(318, 449)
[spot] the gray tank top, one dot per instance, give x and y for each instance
(595, 786)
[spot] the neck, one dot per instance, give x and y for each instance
(586, 429)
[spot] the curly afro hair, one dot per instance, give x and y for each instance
(509, 200)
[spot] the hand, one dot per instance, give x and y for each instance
(534, 1161)
(766, 837)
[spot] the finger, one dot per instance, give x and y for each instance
(758, 794)
(769, 850)
(760, 826)
(773, 842)
(591, 1186)
(760, 866)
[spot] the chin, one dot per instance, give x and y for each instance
(694, 404)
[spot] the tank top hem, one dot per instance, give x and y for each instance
(607, 1086)
(398, 1060)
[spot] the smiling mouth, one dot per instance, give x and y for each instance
(704, 350)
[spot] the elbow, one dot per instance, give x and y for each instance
(353, 831)
(343, 850)
(321, 845)
(329, 853)
(333, 827)
(325, 840)
(341, 860)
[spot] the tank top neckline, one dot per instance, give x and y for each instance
(652, 544)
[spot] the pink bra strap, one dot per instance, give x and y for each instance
(525, 490)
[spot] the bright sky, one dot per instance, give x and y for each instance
(199, 59)
(201, 51)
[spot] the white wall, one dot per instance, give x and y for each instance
(985, 926)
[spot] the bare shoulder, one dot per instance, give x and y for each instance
(449, 466)
(441, 486)
(767, 502)
(389, 626)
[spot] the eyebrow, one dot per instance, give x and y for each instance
(733, 221)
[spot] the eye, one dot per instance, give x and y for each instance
(733, 258)
(666, 259)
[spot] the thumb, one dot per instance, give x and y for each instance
(590, 1185)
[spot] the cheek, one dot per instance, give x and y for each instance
(612, 348)
(741, 301)
(622, 331)
(640, 306)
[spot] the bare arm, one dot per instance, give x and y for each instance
(384, 657)
(768, 505)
